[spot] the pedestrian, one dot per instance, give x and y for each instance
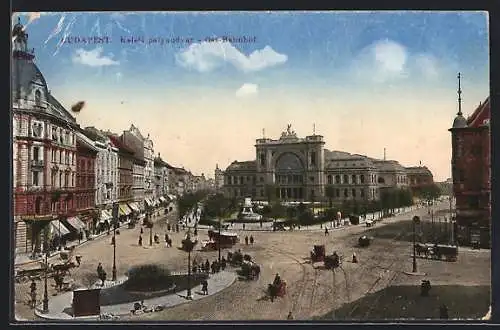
(207, 266)
(246, 240)
(326, 231)
(243, 226)
(204, 287)
(354, 258)
(290, 316)
(33, 293)
(251, 239)
(140, 240)
(99, 270)
(142, 230)
(80, 236)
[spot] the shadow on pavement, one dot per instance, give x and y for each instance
(405, 302)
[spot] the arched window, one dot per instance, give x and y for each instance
(346, 193)
(362, 178)
(330, 179)
(38, 98)
(337, 179)
(354, 178)
(346, 179)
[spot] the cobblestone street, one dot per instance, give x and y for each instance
(310, 290)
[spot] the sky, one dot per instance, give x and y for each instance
(206, 85)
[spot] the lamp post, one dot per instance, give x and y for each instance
(188, 246)
(150, 225)
(219, 238)
(416, 221)
(115, 219)
(45, 307)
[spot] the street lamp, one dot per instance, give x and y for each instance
(115, 221)
(416, 221)
(188, 246)
(45, 308)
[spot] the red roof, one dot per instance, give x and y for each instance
(481, 114)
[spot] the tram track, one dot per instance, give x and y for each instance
(303, 282)
(379, 258)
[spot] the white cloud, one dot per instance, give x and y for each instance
(387, 61)
(247, 90)
(208, 56)
(93, 58)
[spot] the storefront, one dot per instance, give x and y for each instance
(125, 212)
(104, 221)
(75, 225)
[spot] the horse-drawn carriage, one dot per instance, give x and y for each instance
(437, 251)
(226, 239)
(250, 270)
(333, 261)
(318, 253)
(364, 241)
(276, 289)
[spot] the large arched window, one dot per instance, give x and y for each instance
(289, 162)
(38, 98)
(337, 179)
(362, 178)
(346, 179)
(354, 181)
(330, 179)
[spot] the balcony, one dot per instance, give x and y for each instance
(37, 163)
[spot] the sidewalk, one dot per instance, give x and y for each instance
(57, 305)
(24, 259)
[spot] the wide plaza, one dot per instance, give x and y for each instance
(312, 291)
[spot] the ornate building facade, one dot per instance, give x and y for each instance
(471, 173)
(134, 140)
(218, 178)
(419, 177)
(85, 190)
(160, 178)
(106, 169)
(149, 187)
(301, 169)
(44, 152)
(125, 176)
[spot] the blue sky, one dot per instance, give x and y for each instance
(337, 69)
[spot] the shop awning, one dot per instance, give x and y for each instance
(124, 209)
(76, 223)
(149, 202)
(162, 199)
(172, 197)
(105, 216)
(57, 227)
(158, 202)
(134, 206)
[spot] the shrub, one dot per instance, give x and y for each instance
(149, 277)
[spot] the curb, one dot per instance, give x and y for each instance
(39, 313)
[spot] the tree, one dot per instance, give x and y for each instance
(277, 210)
(270, 190)
(329, 192)
(218, 206)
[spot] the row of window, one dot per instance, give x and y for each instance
(298, 193)
(61, 156)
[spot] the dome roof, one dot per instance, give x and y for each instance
(460, 121)
(18, 28)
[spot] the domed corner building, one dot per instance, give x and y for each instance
(44, 152)
(294, 169)
(471, 174)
